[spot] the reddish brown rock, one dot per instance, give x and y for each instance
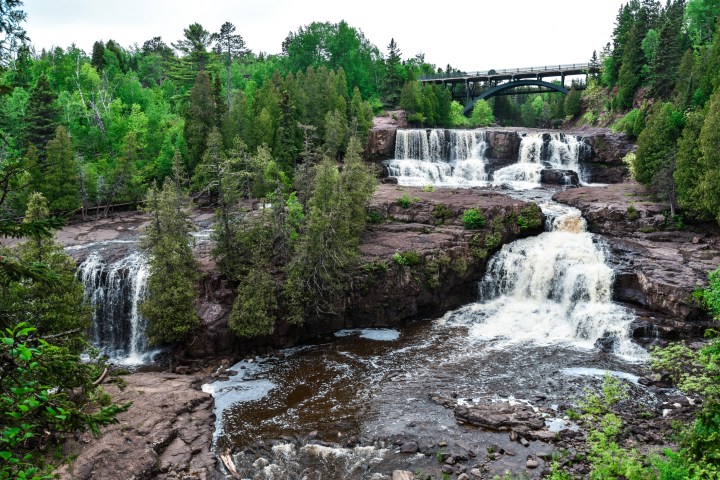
(166, 433)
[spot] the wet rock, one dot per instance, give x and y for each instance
(500, 416)
(409, 447)
(606, 343)
(559, 177)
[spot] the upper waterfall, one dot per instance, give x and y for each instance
(459, 158)
(437, 156)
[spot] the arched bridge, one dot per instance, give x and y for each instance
(482, 85)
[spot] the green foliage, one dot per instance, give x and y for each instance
(473, 219)
(442, 213)
(328, 251)
(632, 124)
(656, 143)
(32, 414)
(632, 214)
(253, 312)
(529, 218)
(406, 259)
(406, 200)
(493, 241)
(173, 271)
(482, 114)
(573, 103)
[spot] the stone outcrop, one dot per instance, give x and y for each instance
(559, 177)
(381, 138)
(166, 434)
(658, 261)
(503, 145)
(443, 260)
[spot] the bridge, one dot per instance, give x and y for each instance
(482, 85)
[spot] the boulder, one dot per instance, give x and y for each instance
(559, 177)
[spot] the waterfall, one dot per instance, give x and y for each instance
(439, 157)
(539, 151)
(115, 290)
(553, 288)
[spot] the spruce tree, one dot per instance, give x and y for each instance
(199, 119)
(669, 51)
(41, 115)
(392, 83)
(60, 176)
(54, 307)
(98, 53)
(170, 302)
(633, 60)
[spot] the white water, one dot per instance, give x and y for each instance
(115, 291)
(439, 157)
(561, 153)
(456, 158)
(551, 289)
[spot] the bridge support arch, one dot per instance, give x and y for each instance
(491, 92)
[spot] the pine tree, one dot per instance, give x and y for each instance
(200, 118)
(230, 47)
(656, 143)
(669, 51)
(392, 84)
(54, 307)
(195, 45)
(709, 160)
(170, 302)
(60, 176)
(221, 108)
(41, 115)
(623, 24)
(98, 52)
(633, 60)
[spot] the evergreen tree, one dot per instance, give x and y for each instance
(392, 83)
(194, 44)
(230, 46)
(709, 160)
(623, 25)
(688, 167)
(98, 53)
(669, 51)
(633, 60)
(656, 143)
(51, 308)
(328, 251)
(61, 176)
(170, 302)
(221, 108)
(41, 115)
(200, 117)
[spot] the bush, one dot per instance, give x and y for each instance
(442, 212)
(405, 201)
(631, 124)
(632, 213)
(473, 219)
(406, 259)
(493, 241)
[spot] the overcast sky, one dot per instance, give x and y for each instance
(470, 35)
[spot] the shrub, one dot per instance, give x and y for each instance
(405, 201)
(632, 213)
(493, 241)
(428, 188)
(406, 259)
(473, 219)
(442, 212)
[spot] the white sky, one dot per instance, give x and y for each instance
(470, 35)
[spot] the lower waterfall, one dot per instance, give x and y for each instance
(115, 290)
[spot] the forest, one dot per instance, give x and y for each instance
(275, 144)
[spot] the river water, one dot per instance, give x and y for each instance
(530, 337)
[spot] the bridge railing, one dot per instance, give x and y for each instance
(509, 71)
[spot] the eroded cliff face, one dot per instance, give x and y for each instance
(603, 163)
(444, 262)
(658, 262)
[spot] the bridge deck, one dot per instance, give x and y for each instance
(509, 74)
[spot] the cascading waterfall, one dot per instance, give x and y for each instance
(540, 151)
(439, 157)
(115, 291)
(553, 288)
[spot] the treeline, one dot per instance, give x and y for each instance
(659, 83)
(92, 130)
